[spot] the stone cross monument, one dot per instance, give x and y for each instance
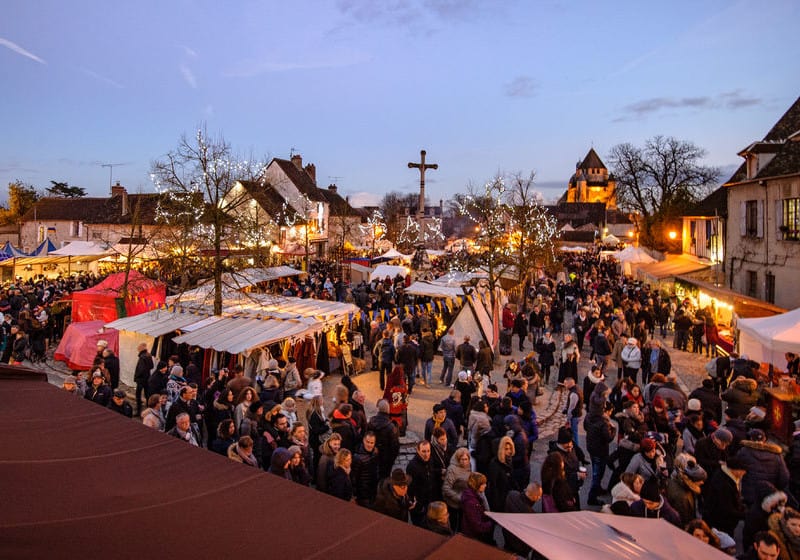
(422, 166)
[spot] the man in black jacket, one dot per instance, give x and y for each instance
(521, 502)
(422, 487)
(98, 391)
(387, 439)
(364, 471)
(144, 365)
(722, 500)
(119, 405)
(407, 356)
(599, 434)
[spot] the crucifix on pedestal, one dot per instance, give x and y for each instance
(422, 166)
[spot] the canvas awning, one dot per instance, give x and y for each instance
(603, 536)
(194, 512)
(421, 288)
(235, 335)
(767, 339)
(157, 322)
(669, 267)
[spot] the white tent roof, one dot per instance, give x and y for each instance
(247, 321)
(457, 278)
(611, 239)
(475, 320)
(767, 339)
(394, 254)
(603, 536)
(156, 323)
(383, 270)
(435, 252)
(567, 249)
(434, 290)
(236, 335)
(633, 255)
(81, 249)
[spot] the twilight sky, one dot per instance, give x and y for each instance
(358, 87)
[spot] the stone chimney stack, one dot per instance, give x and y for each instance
(332, 187)
(119, 190)
(311, 170)
(297, 160)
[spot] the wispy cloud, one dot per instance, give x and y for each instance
(188, 76)
(731, 100)
(521, 86)
(19, 50)
(363, 198)
(254, 67)
(417, 16)
(103, 79)
(188, 51)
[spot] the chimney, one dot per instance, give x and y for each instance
(332, 187)
(297, 160)
(119, 190)
(311, 170)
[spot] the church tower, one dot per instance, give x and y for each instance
(592, 182)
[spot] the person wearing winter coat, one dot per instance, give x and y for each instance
(722, 500)
(593, 378)
(364, 471)
(454, 410)
(152, 416)
(763, 462)
(599, 435)
(423, 485)
(741, 396)
(328, 451)
(653, 505)
(499, 475)
(546, 347)
(479, 421)
(474, 521)
(392, 498)
(440, 419)
(387, 439)
(557, 494)
(631, 356)
(119, 405)
(519, 501)
(339, 483)
(655, 359)
(242, 452)
(144, 365)
(649, 462)
(98, 391)
(342, 424)
(684, 486)
(279, 463)
(520, 462)
(624, 494)
(455, 482)
(786, 528)
(769, 500)
(710, 403)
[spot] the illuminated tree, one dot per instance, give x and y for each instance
(198, 180)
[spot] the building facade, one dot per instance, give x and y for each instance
(763, 235)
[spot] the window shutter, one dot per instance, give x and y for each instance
(760, 219)
(778, 219)
(743, 218)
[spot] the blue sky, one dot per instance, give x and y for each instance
(358, 87)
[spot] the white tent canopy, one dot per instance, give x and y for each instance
(767, 339)
(602, 536)
(82, 249)
(383, 270)
(611, 239)
(458, 278)
(474, 320)
(392, 254)
(576, 249)
(434, 290)
(633, 255)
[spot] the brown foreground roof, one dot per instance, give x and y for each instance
(82, 481)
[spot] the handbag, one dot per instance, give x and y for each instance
(548, 504)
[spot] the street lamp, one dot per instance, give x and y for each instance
(673, 235)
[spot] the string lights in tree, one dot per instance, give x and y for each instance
(375, 228)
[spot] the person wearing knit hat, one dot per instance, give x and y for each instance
(723, 436)
(694, 405)
(684, 485)
(652, 505)
(649, 462)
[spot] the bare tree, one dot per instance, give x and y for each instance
(203, 169)
(534, 229)
(395, 207)
(660, 180)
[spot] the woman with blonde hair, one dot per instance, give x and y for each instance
(455, 482)
(624, 493)
(474, 521)
(328, 451)
(500, 481)
(438, 519)
(339, 483)
(289, 409)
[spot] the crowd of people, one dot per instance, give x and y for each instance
(701, 461)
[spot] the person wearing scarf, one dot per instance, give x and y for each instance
(786, 527)
(684, 486)
(242, 452)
